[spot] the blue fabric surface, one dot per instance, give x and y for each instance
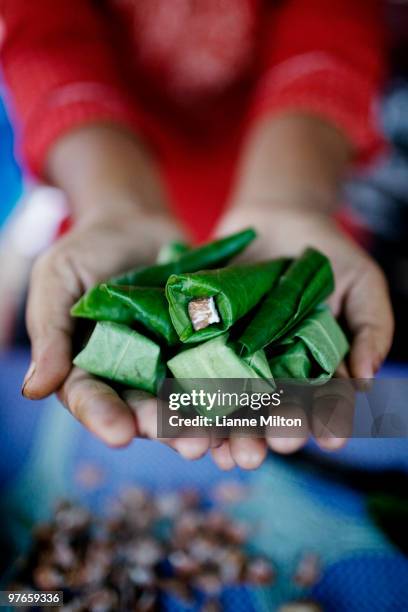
(18, 417)
(290, 507)
(365, 583)
(288, 518)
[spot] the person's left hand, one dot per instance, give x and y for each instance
(360, 296)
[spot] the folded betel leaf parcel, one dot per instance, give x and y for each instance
(148, 306)
(210, 255)
(98, 305)
(121, 354)
(313, 350)
(129, 305)
(307, 282)
(206, 304)
(218, 359)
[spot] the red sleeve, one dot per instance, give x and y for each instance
(326, 57)
(59, 64)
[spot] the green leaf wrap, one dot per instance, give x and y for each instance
(98, 305)
(235, 289)
(307, 282)
(209, 255)
(216, 359)
(148, 306)
(123, 355)
(314, 349)
(128, 305)
(259, 363)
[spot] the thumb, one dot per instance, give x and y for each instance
(54, 287)
(369, 316)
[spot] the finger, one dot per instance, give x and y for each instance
(368, 351)
(99, 408)
(53, 289)
(215, 441)
(144, 407)
(288, 439)
(369, 316)
(192, 448)
(342, 371)
(222, 456)
(332, 414)
(247, 453)
(285, 446)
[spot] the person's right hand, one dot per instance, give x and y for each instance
(91, 252)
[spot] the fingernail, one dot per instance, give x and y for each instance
(249, 459)
(286, 445)
(27, 378)
(331, 443)
(367, 371)
(189, 449)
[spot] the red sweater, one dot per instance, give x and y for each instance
(192, 76)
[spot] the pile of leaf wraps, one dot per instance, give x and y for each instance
(191, 316)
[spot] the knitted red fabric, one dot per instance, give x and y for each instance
(189, 75)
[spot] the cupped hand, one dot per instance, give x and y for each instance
(361, 298)
(93, 251)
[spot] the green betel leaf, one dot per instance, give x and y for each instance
(98, 305)
(207, 256)
(259, 363)
(306, 283)
(206, 304)
(148, 306)
(128, 305)
(121, 354)
(313, 350)
(172, 252)
(294, 362)
(216, 359)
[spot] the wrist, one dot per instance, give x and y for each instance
(110, 205)
(104, 170)
(286, 201)
(284, 229)
(291, 161)
(140, 234)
